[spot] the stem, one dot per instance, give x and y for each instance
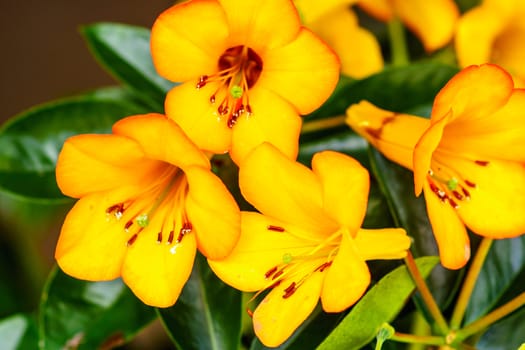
(398, 45)
(469, 283)
(426, 295)
(326, 123)
(492, 317)
(417, 339)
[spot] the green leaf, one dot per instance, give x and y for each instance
(89, 314)
(31, 141)
(18, 332)
(507, 333)
(124, 51)
(207, 314)
(501, 273)
(379, 305)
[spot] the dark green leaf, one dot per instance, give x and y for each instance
(18, 332)
(508, 333)
(207, 314)
(31, 141)
(89, 314)
(124, 51)
(379, 305)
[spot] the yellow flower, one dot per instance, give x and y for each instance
(307, 243)
(336, 23)
(433, 22)
(467, 159)
(494, 32)
(147, 201)
(249, 69)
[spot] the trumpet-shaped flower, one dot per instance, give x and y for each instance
(494, 32)
(147, 201)
(467, 159)
(336, 23)
(248, 70)
(433, 22)
(307, 243)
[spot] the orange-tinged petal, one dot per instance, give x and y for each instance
(387, 243)
(357, 48)
(276, 318)
(273, 120)
(213, 213)
(380, 9)
(156, 272)
(258, 250)
(92, 163)
(188, 39)
(346, 279)
(393, 134)
(283, 189)
(190, 108)
(345, 185)
(312, 10)
(496, 201)
(261, 25)
(433, 22)
(449, 231)
(162, 139)
(508, 50)
(304, 72)
(473, 93)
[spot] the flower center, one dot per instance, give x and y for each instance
(239, 69)
(159, 207)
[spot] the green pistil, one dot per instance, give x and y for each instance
(287, 258)
(236, 91)
(452, 184)
(143, 220)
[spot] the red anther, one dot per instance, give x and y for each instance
(270, 272)
(288, 292)
(481, 162)
(248, 109)
(249, 312)
(290, 287)
(170, 237)
(275, 228)
(453, 204)
(465, 192)
(433, 187)
(159, 237)
(470, 183)
(232, 120)
(128, 224)
(119, 208)
(324, 266)
(458, 195)
(277, 274)
(212, 99)
(200, 84)
(132, 240)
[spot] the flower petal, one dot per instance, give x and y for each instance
(380, 9)
(283, 189)
(393, 134)
(162, 139)
(449, 231)
(190, 108)
(433, 22)
(188, 39)
(213, 213)
(273, 120)
(304, 72)
(387, 243)
(345, 185)
(276, 318)
(508, 50)
(93, 163)
(346, 279)
(312, 10)
(261, 25)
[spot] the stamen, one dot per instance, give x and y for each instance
(458, 195)
(170, 237)
(159, 237)
(324, 266)
(270, 272)
(278, 274)
(482, 162)
(470, 183)
(128, 225)
(465, 192)
(275, 228)
(453, 203)
(132, 240)
(288, 292)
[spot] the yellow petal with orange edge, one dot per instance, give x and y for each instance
(380, 9)
(346, 279)
(92, 243)
(473, 93)
(283, 189)
(192, 110)
(312, 10)
(261, 25)
(273, 120)
(433, 22)
(393, 134)
(213, 213)
(157, 271)
(276, 318)
(500, 135)
(188, 39)
(387, 243)
(93, 163)
(345, 185)
(496, 200)
(357, 48)
(162, 139)
(450, 233)
(304, 72)
(260, 248)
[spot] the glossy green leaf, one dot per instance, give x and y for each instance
(31, 141)
(124, 51)
(89, 315)
(207, 314)
(502, 272)
(508, 333)
(379, 305)
(18, 332)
